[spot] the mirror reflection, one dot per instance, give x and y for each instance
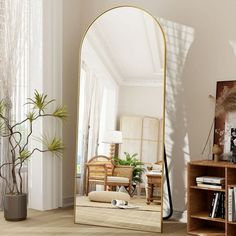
(120, 131)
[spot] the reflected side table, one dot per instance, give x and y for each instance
(153, 181)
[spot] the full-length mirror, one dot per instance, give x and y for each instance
(120, 128)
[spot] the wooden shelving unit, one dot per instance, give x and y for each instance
(199, 198)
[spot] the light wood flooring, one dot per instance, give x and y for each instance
(61, 222)
(143, 218)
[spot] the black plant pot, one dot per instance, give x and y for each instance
(15, 207)
(234, 159)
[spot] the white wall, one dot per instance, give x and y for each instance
(199, 54)
(141, 101)
(71, 45)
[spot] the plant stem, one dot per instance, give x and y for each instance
(208, 137)
(28, 136)
(23, 121)
(13, 154)
(19, 173)
(6, 180)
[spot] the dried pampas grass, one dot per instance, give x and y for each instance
(226, 102)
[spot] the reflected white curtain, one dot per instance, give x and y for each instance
(95, 117)
(14, 60)
(93, 93)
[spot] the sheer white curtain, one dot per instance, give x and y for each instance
(95, 118)
(14, 61)
(92, 97)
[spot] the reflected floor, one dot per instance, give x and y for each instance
(144, 218)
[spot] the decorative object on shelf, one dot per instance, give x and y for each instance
(217, 151)
(112, 137)
(15, 201)
(222, 124)
(232, 139)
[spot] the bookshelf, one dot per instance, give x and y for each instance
(200, 198)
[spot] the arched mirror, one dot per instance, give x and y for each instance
(120, 128)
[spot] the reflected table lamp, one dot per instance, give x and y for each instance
(112, 137)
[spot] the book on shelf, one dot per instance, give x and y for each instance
(217, 208)
(212, 204)
(232, 204)
(210, 179)
(213, 186)
(222, 208)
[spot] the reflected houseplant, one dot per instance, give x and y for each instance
(15, 201)
(131, 160)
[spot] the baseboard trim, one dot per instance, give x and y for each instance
(68, 201)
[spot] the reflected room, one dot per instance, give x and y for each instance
(120, 128)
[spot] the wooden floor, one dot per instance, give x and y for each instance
(61, 222)
(143, 218)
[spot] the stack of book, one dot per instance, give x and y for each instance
(217, 206)
(232, 204)
(210, 182)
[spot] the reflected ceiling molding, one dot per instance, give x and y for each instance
(101, 49)
(155, 80)
(233, 45)
(123, 69)
(140, 83)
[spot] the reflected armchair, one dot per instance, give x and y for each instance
(101, 170)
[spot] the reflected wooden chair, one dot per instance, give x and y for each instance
(101, 170)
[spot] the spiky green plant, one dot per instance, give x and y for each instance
(131, 160)
(19, 143)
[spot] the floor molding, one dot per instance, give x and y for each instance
(68, 201)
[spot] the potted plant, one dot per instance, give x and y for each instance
(131, 160)
(18, 139)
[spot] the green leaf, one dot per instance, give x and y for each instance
(31, 116)
(60, 112)
(134, 155)
(2, 107)
(24, 154)
(3, 130)
(39, 101)
(54, 145)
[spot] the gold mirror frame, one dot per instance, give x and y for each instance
(164, 96)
